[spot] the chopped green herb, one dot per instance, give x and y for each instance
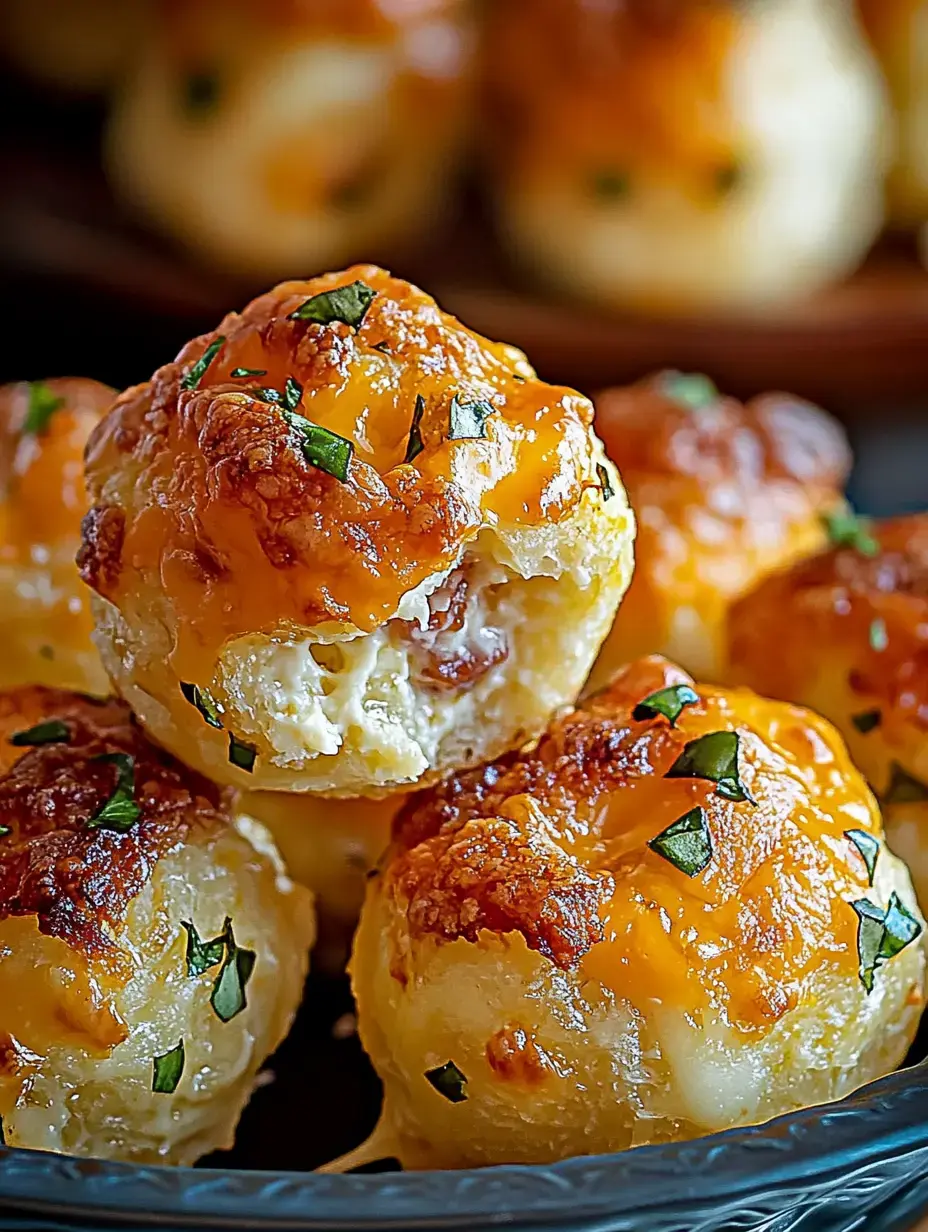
(293, 393)
(468, 420)
(611, 185)
(197, 371)
(201, 92)
(867, 720)
(689, 389)
(846, 530)
(51, 732)
(42, 406)
(120, 812)
(604, 482)
(228, 995)
(346, 304)
(448, 1080)
(903, 788)
(325, 450)
(167, 1070)
(729, 177)
(202, 955)
(204, 702)
(881, 935)
(868, 846)
(238, 373)
(879, 638)
(686, 843)
(268, 395)
(668, 703)
(242, 754)
(5, 830)
(383, 347)
(414, 445)
(47, 652)
(713, 757)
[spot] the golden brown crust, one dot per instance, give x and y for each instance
(872, 610)
(515, 1055)
(222, 508)
(76, 880)
(553, 843)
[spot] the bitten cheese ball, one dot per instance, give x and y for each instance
(152, 953)
(685, 156)
(898, 30)
(655, 923)
(343, 544)
(274, 135)
(723, 493)
(45, 620)
(846, 632)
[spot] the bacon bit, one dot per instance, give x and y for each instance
(514, 1055)
(460, 668)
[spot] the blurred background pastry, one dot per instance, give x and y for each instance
(79, 46)
(45, 621)
(685, 155)
(152, 952)
(275, 137)
(846, 632)
(644, 928)
(723, 492)
(343, 544)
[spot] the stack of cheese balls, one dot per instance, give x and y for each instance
(351, 566)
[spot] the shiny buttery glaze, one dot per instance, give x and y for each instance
(72, 883)
(723, 492)
(850, 632)
(207, 493)
(552, 843)
(614, 89)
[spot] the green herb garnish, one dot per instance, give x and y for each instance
(414, 445)
(238, 373)
(325, 450)
(846, 530)
(268, 395)
(668, 703)
(242, 754)
(204, 702)
(867, 720)
(293, 394)
(197, 371)
(879, 638)
(5, 830)
(346, 304)
(713, 757)
(448, 1080)
(202, 955)
(228, 995)
(120, 812)
(605, 482)
(467, 421)
(881, 935)
(167, 1070)
(51, 732)
(611, 185)
(869, 848)
(729, 177)
(689, 389)
(42, 405)
(201, 92)
(903, 788)
(686, 843)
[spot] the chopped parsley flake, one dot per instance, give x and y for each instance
(204, 702)
(293, 394)
(325, 450)
(713, 757)
(121, 811)
(689, 389)
(867, 720)
(242, 754)
(51, 732)
(668, 703)
(881, 935)
(348, 305)
(868, 846)
(238, 373)
(846, 530)
(42, 405)
(197, 371)
(414, 445)
(202, 955)
(686, 844)
(448, 1081)
(879, 638)
(228, 996)
(167, 1070)
(605, 482)
(467, 421)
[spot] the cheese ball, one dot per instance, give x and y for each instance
(898, 30)
(273, 135)
(345, 545)
(79, 46)
(690, 156)
(655, 923)
(723, 493)
(152, 953)
(45, 620)
(846, 632)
